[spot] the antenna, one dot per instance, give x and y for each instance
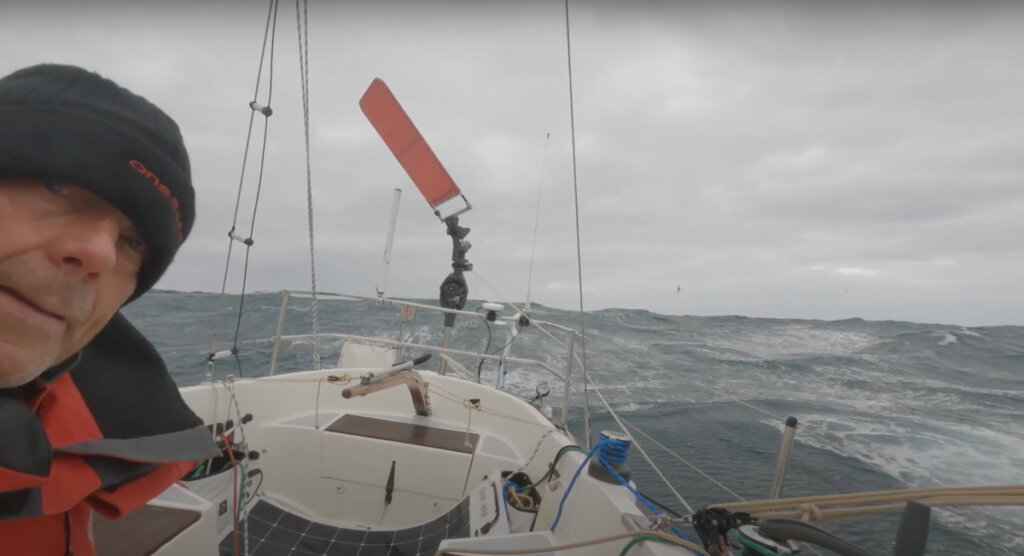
(383, 284)
(536, 221)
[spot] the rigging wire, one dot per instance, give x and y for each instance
(621, 423)
(637, 445)
(204, 347)
(269, 39)
(501, 296)
(587, 380)
(302, 21)
(302, 24)
(579, 254)
(271, 16)
(259, 189)
(579, 270)
(536, 219)
(682, 459)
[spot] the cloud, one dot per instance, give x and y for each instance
(786, 159)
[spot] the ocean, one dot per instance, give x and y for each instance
(880, 404)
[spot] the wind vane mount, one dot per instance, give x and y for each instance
(428, 174)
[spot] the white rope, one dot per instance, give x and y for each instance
(755, 408)
(342, 379)
(469, 423)
(316, 405)
(228, 384)
(302, 21)
(446, 395)
(536, 450)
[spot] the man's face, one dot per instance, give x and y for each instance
(68, 262)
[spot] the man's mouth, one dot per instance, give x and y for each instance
(39, 307)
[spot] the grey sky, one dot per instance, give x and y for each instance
(778, 159)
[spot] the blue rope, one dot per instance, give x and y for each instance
(615, 450)
(504, 493)
(609, 451)
(639, 496)
(575, 476)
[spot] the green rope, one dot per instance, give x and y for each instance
(756, 547)
(198, 472)
(558, 456)
(640, 539)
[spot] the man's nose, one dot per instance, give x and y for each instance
(86, 245)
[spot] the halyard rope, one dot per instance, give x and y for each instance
(302, 21)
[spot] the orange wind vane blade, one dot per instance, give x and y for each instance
(407, 144)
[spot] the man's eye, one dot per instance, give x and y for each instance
(56, 187)
(134, 243)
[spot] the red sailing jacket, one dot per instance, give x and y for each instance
(105, 432)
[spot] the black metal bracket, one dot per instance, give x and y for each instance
(454, 290)
(713, 526)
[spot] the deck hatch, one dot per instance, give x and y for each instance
(140, 532)
(407, 433)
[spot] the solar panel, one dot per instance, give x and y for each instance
(274, 531)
